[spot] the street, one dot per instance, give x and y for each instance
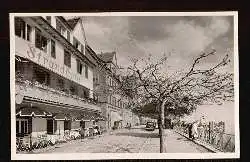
(135, 140)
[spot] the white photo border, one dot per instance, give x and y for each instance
(94, 156)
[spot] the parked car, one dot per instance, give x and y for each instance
(150, 126)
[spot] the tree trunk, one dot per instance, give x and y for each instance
(161, 127)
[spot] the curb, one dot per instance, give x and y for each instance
(198, 142)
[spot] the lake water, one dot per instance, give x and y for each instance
(216, 113)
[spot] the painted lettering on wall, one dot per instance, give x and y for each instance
(44, 60)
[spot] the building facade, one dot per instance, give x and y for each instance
(115, 103)
(54, 77)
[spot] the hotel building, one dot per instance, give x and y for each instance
(54, 73)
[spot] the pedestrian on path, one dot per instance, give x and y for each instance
(190, 130)
(82, 132)
(195, 130)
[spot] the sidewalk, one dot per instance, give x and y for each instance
(199, 142)
(176, 143)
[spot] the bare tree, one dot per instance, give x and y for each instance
(148, 82)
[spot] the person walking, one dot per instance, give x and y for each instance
(82, 133)
(190, 130)
(195, 130)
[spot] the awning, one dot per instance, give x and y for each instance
(76, 115)
(88, 116)
(20, 59)
(81, 116)
(33, 111)
(62, 116)
(58, 113)
(100, 117)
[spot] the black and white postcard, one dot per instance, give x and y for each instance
(124, 85)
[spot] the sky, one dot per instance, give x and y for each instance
(182, 38)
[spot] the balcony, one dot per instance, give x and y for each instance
(38, 92)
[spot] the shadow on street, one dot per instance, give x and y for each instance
(139, 134)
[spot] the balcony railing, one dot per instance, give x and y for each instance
(42, 92)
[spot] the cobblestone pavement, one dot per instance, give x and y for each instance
(135, 140)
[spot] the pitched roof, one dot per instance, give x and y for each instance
(106, 57)
(72, 22)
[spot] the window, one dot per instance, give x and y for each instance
(82, 49)
(50, 126)
(73, 90)
(53, 49)
(28, 32)
(95, 96)
(21, 127)
(17, 127)
(19, 27)
(86, 93)
(116, 102)
(75, 43)
(67, 58)
(67, 125)
(110, 99)
(41, 76)
(41, 41)
(19, 68)
(96, 79)
(113, 101)
(68, 35)
(79, 66)
(48, 18)
(60, 28)
(119, 105)
(86, 71)
(110, 81)
(107, 80)
(22, 29)
(60, 84)
(82, 124)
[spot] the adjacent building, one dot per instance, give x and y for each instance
(115, 102)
